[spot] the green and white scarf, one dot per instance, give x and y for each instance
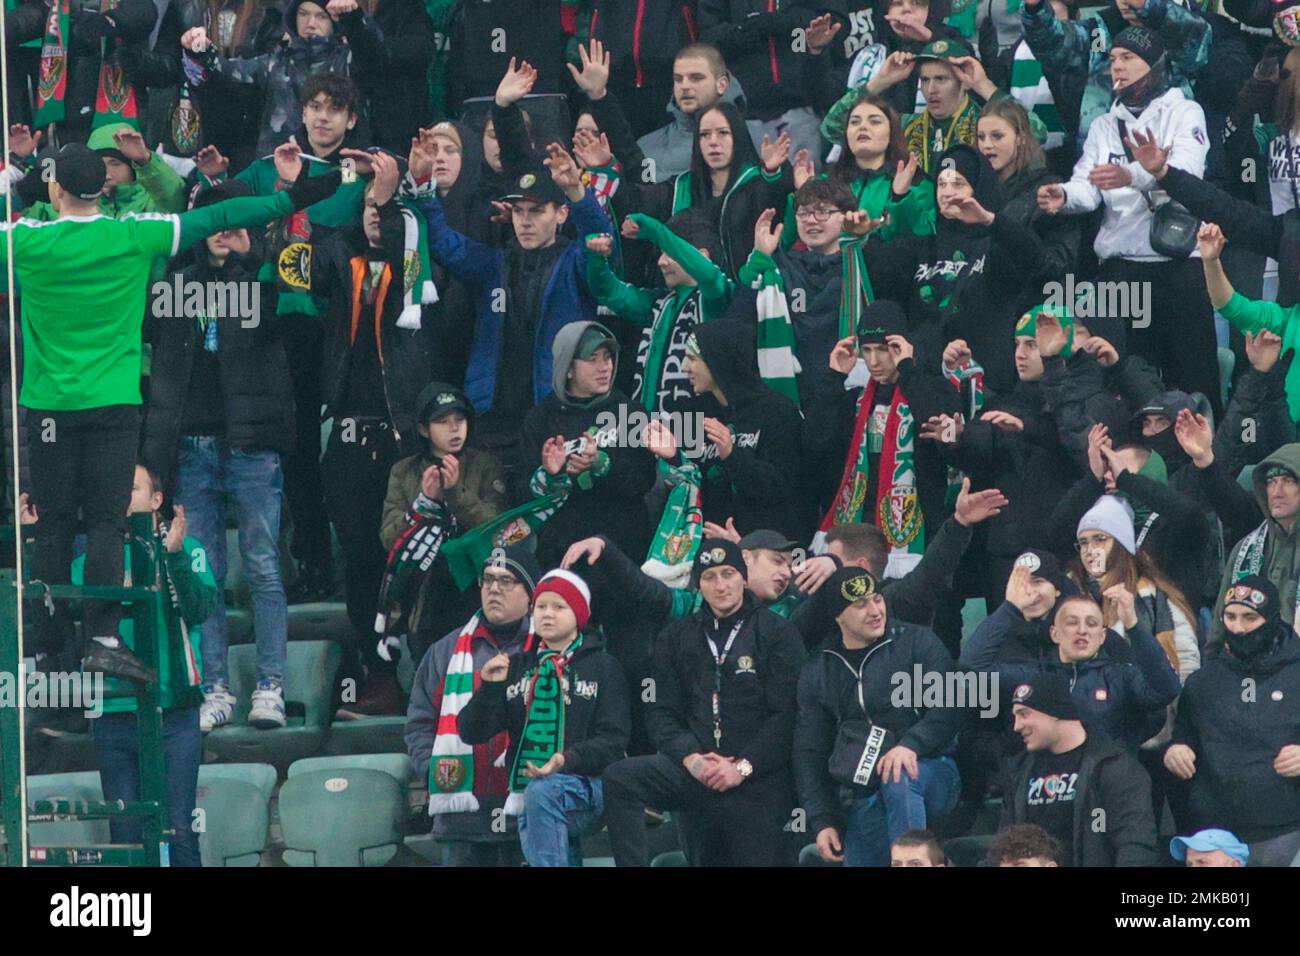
(545, 698)
(681, 526)
(1029, 87)
(776, 339)
(467, 554)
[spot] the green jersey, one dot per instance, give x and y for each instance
(85, 281)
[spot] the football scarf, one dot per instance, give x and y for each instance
(467, 554)
(1029, 87)
(924, 139)
(185, 123)
(115, 99)
(676, 315)
(896, 509)
(544, 701)
(410, 562)
(968, 379)
(289, 264)
(855, 284)
(681, 527)
(456, 768)
(52, 85)
(777, 363)
(417, 272)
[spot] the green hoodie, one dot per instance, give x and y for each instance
(1248, 315)
(1280, 563)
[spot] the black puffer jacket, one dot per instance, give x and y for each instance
(1236, 737)
(395, 86)
(828, 697)
(757, 697)
(1110, 781)
(255, 388)
(596, 720)
(758, 483)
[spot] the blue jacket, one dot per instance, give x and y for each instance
(1114, 697)
(483, 268)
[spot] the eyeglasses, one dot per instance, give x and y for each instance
(504, 583)
(1091, 541)
(817, 213)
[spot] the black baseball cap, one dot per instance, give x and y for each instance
(438, 399)
(537, 185)
(766, 539)
(79, 170)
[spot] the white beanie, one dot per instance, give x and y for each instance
(1112, 515)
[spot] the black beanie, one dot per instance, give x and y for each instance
(519, 560)
(965, 159)
(1257, 593)
(1048, 693)
(845, 587)
(1044, 564)
(881, 318)
(1141, 42)
(716, 552)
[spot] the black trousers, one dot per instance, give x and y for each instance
(302, 466)
(743, 826)
(1177, 336)
(355, 471)
(83, 460)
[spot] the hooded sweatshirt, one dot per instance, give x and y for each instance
(1270, 544)
(607, 498)
(757, 484)
(669, 147)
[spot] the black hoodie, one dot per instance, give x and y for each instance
(758, 483)
(613, 503)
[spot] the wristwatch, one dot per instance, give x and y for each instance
(744, 768)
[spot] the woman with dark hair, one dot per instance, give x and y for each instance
(1006, 140)
(728, 178)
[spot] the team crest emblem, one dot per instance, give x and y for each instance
(676, 546)
(512, 533)
(445, 398)
(851, 499)
(1030, 561)
(1024, 321)
(941, 47)
(113, 82)
(410, 268)
(54, 61)
(745, 663)
(856, 588)
(294, 265)
(900, 516)
(527, 181)
(449, 774)
(1021, 693)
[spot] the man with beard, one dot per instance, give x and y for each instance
(1235, 738)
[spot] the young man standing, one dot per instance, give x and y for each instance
(723, 715)
(1068, 780)
(82, 363)
(564, 703)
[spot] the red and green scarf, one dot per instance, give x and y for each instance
(545, 698)
(896, 509)
(115, 99)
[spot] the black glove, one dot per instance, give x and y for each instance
(307, 190)
(92, 26)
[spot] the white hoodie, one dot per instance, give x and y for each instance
(1178, 124)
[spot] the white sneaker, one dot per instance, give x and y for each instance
(217, 709)
(267, 711)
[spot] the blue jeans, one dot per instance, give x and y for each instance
(875, 822)
(555, 807)
(207, 471)
(118, 753)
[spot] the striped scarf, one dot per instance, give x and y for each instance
(456, 768)
(925, 139)
(545, 697)
(1029, 87)
(776, 339)
(681, 527)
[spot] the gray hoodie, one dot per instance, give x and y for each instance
(562, 353)
(669, 147)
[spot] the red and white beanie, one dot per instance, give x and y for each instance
(571, 588)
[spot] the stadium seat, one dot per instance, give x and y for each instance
(345, 816)
(374, 735)
(396, 766)
(321, 621)
(311, 667)
(809, 856)
(1247, 478)
(236, 802)
(671, 858)
(968, 850)
(972, 615)
(1227, 362)
(66, 786)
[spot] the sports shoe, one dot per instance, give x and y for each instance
(217, 709)
(267, 711)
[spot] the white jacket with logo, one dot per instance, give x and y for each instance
(1179, 125)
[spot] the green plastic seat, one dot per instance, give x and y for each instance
(345, 816)
(1247, 478)
(310, 671)
(396, 766)
(671, 858)
(809, 856)
(375, 735)
(236, 802)
(968, 850)
(84, 785)
(1227, 363)
(321, 621)
(972, 616)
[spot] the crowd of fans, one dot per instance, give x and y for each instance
(694, 368)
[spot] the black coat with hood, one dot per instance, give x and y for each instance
(597, 721)
(965, 281)
(613, 505)
(1111, 781)
(395, 86)
(758, 483)
(755, 38)
(1236, 737)
(828, 696)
